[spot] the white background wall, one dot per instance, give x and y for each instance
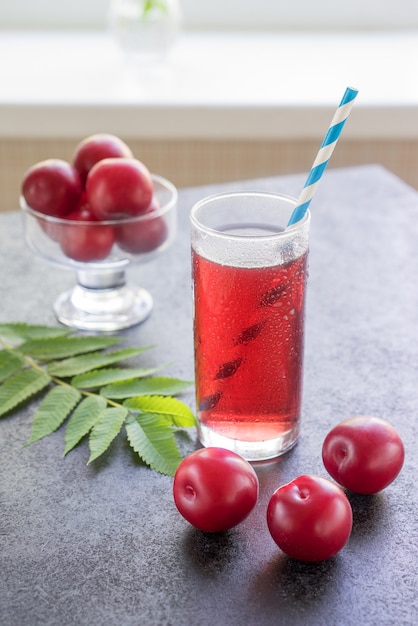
(232, 14)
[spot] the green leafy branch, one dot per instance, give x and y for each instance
(150, 5)
(84, 384)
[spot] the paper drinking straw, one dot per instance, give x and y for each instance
(324, 154)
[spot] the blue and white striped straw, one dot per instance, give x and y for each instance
(324, 155)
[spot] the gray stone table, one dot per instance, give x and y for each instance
(104, 545)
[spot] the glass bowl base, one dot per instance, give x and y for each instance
(103, 309)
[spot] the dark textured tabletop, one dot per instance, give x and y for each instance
(104, 545)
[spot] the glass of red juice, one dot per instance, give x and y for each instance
(249, 282)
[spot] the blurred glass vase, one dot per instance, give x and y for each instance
(145, 30)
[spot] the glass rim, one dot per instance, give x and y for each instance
(236, 194)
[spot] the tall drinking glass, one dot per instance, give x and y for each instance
(249, 280)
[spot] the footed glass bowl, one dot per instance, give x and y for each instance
(99, 253)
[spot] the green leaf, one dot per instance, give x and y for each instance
(97, 378)
(10, 363)
(20, 330)
(50, 354)
(20, 387)
(178, 413)
(105, 429)
(54, 408)
(160, 385)
(87, 362)
(149, 5)
(149, 436)
(82, 420)
(62, 347)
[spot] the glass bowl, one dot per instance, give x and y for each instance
(99, 252)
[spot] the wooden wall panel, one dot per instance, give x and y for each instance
(189, 163)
